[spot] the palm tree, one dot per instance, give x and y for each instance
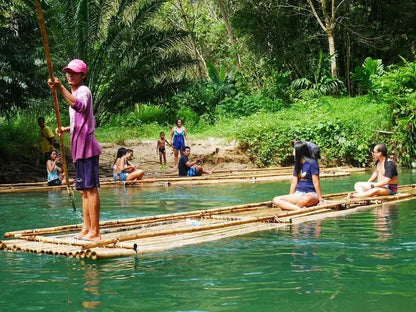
(19, 80)
(130, 59)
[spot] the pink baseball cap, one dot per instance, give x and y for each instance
(77, 66)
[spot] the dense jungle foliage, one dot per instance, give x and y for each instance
(262, 72)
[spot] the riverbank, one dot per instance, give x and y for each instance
(215, 153)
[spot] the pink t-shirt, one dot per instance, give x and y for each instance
(82, 122)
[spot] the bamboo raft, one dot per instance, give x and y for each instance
(223, 176)
(136, 236)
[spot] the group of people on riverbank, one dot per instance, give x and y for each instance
(305, 189)
(123, 168)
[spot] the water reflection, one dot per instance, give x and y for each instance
(385, 217)
(54, 199)
(91, 286)
(308, 229)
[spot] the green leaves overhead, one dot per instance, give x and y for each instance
(18, 56)
(129, 59)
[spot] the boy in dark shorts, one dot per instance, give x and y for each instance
(161, 149)
(85, 149)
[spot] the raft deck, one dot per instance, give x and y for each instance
(136, 236)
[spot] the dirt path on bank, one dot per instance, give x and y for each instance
(215, 153)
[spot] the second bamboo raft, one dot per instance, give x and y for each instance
(224, 176)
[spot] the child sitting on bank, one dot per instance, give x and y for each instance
(161, 149)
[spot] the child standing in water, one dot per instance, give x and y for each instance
(85, 149)
(161, 149)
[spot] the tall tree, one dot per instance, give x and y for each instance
(230, 34)
(328, 25)
(200, 64)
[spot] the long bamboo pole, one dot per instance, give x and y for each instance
(42, 27)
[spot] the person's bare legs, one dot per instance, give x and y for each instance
(201, 170)
(86, 224)
(175, 157)
(294, 202)
(135, 175)
(377, 191)
(93, 211)
(361, 187)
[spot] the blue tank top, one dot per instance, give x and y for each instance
(53, 175)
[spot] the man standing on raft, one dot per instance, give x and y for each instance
(385, 174)
(85, 149)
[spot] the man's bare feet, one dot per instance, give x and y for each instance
(93, 237)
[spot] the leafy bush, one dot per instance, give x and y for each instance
(398, 89)
(320, 81)
(365, 76)
(277, 86)
(188, 116)
(341, 128)
(134, 117)
(246, 105)
(150, 113)
(202, 97)
(307, 89)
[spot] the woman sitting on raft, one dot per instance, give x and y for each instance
(126, 170)
(305, 189)
(116, 166)
(55, 176)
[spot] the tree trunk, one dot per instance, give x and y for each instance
(328, 28)
(332, 53)
(229, 32)
(200, 66)
(347, 64)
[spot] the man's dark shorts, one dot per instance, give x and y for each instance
(86, 173)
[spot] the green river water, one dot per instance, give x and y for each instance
(363, 262)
